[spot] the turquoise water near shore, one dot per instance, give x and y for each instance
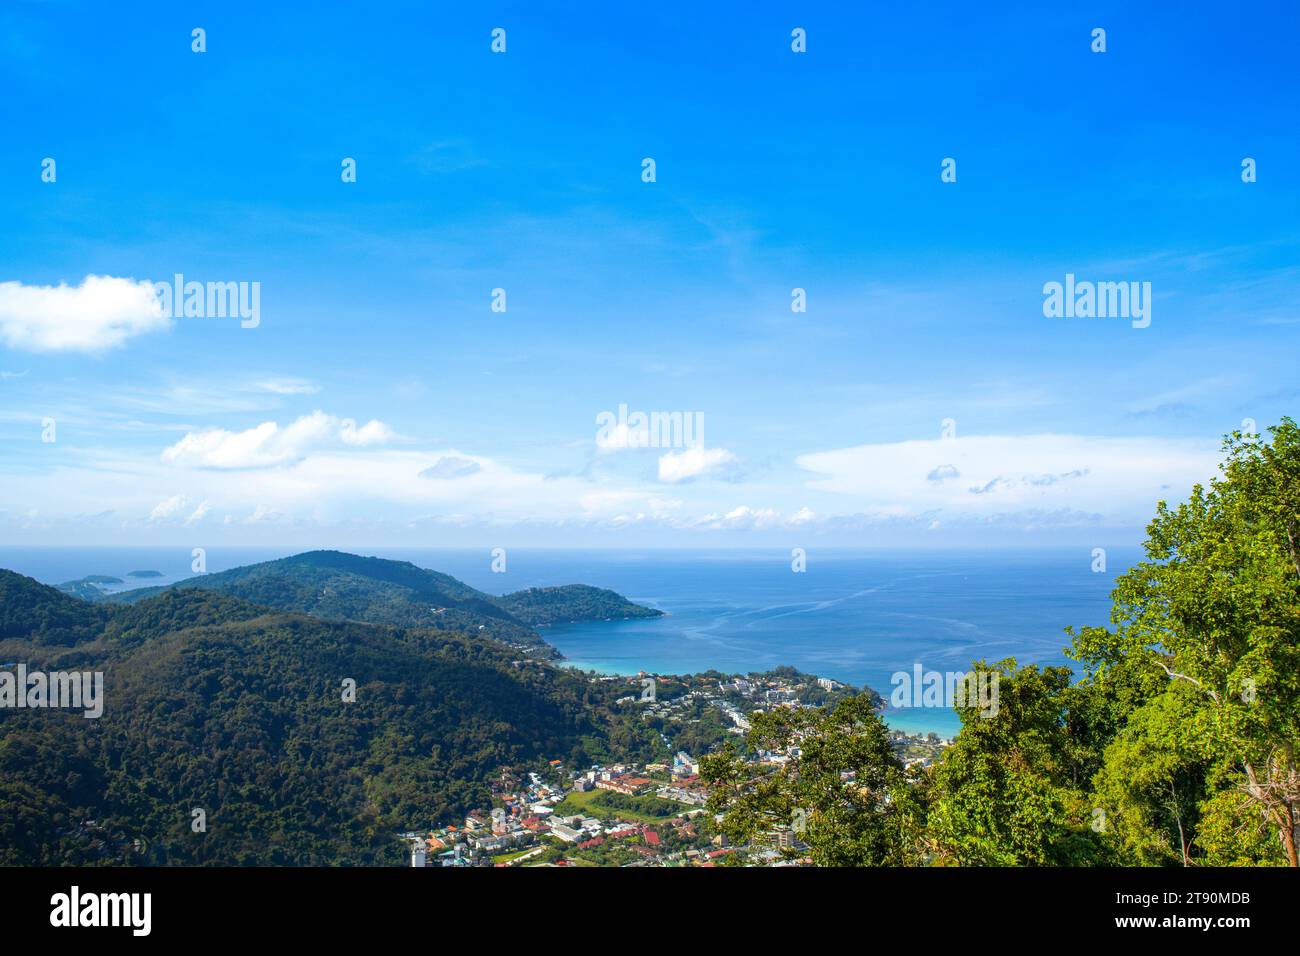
(858, 617)
(855, 617)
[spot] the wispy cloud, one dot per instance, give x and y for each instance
(288, 386)
(451, 467)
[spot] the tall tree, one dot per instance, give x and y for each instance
(1215, 608)
(1005, 793)
(832, 782)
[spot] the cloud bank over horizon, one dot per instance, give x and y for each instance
(969, 477)
(320, 473)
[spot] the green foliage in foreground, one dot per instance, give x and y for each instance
(846, 796)
(1177, 746)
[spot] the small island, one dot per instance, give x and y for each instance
(571, 603)
(91, 587)
(144, 574)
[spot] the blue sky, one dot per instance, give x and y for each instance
(380, 400)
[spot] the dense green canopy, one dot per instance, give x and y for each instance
(219, 704)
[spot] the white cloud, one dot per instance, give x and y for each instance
(101, 313)
(264, 515)
(1120, 477)
(694, 463)
(373, 432)
(803, 516)
(288, 386)
(739, 518)
(169, 508)
(267, 444)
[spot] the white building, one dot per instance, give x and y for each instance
(566, 833)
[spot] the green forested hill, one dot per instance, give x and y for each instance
(43, 615)
(571, 602)
(346, 587)
(212, 702)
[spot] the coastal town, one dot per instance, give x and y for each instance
(648, 814)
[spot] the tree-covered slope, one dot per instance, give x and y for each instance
(571, 602)
(43, 615)
(347, 587)
(213, 703)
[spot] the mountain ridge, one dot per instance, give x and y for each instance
(337, 585)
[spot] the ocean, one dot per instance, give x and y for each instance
(855, 616)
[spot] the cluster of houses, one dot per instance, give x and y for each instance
(535, 816)
(527, 823)
(759, 692)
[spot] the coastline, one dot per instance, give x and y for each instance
(917, 721)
